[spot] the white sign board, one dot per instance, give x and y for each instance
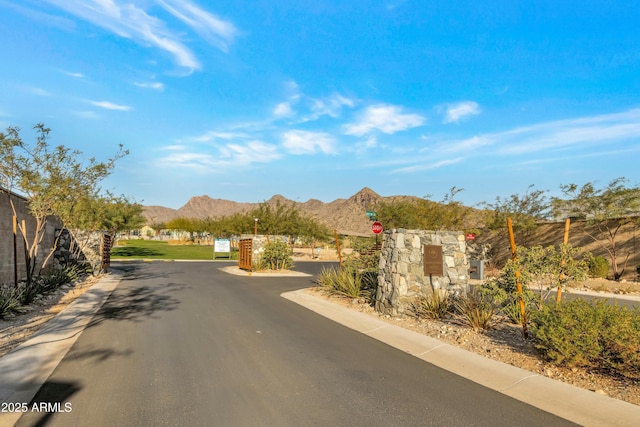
(222, 245)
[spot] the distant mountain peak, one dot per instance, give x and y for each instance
(345, 215)
(365, 197)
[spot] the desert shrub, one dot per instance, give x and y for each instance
(343, 281)
(10, 299)
(476, 310)
(28, 291)
(581, 333)
(61, 276)
(276, 256)
(433, 306)
(502, 290)
(598, 267)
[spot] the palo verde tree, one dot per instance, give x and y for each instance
(524, 210)
(606, 210)
(285, 219)
(52, 179)
(448, 214)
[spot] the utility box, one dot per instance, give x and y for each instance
(476, 269)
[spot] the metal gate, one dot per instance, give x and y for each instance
(245, 250)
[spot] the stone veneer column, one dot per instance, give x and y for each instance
(401, 277)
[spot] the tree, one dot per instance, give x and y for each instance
(52, 179)
(606, 210)
(448, 214)
(184, 224)
(285, 219)
(524, 210)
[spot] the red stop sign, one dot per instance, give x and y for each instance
(376, 227)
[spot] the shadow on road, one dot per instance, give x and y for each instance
(139, 303)
(53, 398)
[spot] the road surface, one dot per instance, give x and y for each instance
(186, 344)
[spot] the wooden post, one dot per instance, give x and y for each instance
(27, 255)
(335, 233)
(565, 240)
(15, 251)
(514, 257)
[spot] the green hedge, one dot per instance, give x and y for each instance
(598, 335)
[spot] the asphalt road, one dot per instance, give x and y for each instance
(185, 344)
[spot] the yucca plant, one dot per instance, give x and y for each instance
(433, 306)
(476, 310)
(345, 282)
(10, 298)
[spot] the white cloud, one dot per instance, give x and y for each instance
(73, 74)
(252, 152)
(555, 136)
(306, 142)
(428, 166)
(456, 112)
(37, 91)
(384, 118)
(129, 20)
(110, 105)
(330, 106)
(229, 156)
(563, 134)
(150, 85)
(87, 114)
(215, 30)
(283, 109)
(214, 135)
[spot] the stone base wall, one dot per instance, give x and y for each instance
(401, 277)
(78, 247)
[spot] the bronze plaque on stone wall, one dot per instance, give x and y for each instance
(432, 260)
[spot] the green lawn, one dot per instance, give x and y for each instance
(155, 249)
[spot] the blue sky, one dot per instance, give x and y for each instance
(242, 100)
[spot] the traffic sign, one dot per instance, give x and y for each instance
(376, 227)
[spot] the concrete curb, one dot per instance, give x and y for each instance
(27, 367)
(569, 402)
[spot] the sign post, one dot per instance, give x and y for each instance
(376, 227)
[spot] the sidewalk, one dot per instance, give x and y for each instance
(25, 368)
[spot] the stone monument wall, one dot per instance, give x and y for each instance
(401, 276)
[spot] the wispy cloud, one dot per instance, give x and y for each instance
(215, 30)
(215, 135)
(110, 105)
(563, 134)
(37, 91)
(456, 112)
(150, 85)
(306, 142)
(330, 106)
(283, 109)
(252, 152)
(74, 74)
(385, 118)
(87, 114)
(224, 157)
(127, 19)
(428, 166)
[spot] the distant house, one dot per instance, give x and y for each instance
(563, 209)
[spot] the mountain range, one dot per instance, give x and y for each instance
(347, 216)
